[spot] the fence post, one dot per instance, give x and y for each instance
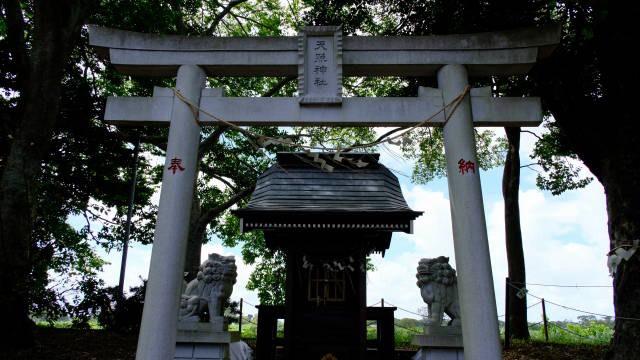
(240, 319)
(507, 326)
(382, 302)
(544, 319)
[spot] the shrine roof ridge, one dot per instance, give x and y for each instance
(291, 159)
(301, 189)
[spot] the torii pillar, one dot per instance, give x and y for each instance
(157, 338)
(471, 244)
(320, 57)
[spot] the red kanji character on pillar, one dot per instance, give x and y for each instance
(466, 166)
(176, 164)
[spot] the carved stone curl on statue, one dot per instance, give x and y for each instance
(439, 289)
(208, 291)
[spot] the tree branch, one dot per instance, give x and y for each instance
(532, 133)
(227, 26)
(158, 141)
(15, 37)
(209, 214)
(294, 14)
(177, 10)
(89, 231)
(388, 133)
(275, 29)
(225, 10)
(213, 139)
(96, 216)
(277, 86)
(244, 30)
(530, 167)
(208, 143)
(210, 171)
(225, 181)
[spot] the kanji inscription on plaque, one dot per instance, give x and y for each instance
(320, 65)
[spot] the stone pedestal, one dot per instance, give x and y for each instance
(200, 341)
(439, 343)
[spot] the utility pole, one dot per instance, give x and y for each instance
(132, 196)
(544, 320)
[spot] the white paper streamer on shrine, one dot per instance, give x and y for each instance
(617, 255)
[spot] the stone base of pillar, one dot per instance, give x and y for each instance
(202, 341)
(439, 343)
(201, 351)
(426, 353)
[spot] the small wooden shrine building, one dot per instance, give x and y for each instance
(326, 216)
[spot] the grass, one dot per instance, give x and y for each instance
(592, 333)
(562, 333)
(249, 330)
(64, 344)
(66, 324)
(565, 333)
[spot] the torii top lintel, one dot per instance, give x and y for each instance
(493, 53)
(320, 56)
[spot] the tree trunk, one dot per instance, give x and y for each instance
(622, 188)
(196, 239)
(587, 80)
(200, 219)
(513, 236)
(56, 29)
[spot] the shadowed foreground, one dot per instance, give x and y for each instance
(58, 344)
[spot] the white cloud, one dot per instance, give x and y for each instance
(394, 278)
(565, 242)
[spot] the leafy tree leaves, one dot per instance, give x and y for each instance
(562, 169)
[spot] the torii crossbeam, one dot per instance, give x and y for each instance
(320, 57)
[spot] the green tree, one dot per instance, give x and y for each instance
(56, 159)
(589, 79)
(37, 37)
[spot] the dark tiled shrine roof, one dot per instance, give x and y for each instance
(297, 186)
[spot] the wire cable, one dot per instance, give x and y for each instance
(572, 308)
(564, 286)
(569, 331)
(403, 309)
(408, 329)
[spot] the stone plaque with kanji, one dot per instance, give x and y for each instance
(320, 65)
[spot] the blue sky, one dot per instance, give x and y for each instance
(565, 242)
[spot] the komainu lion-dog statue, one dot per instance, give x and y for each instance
(438, 286)
(207, 292)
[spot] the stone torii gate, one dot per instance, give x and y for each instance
(320, 57)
